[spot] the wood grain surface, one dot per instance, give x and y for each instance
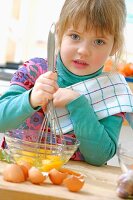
(100, 183)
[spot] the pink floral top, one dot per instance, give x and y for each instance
(25, 77)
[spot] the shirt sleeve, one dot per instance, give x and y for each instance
(14, 107)
(98, 138)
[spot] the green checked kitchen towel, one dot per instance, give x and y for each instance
(108, 94)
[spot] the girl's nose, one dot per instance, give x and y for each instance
(84, 49)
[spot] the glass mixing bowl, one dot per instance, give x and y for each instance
(52, 152)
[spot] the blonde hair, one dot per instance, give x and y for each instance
(107, 16)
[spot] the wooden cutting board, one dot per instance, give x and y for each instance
(100, 183)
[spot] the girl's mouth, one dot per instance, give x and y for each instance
(80, 64)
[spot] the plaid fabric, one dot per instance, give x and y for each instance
(109, 94)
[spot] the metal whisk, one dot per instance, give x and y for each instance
(50, 130)
(51, 117)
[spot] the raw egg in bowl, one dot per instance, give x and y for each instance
(52, 151)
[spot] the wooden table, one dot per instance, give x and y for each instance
(100, 183)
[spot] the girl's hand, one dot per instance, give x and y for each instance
(63, 96)
(43, 90)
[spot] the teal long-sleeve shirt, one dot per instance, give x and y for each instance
(98, 138)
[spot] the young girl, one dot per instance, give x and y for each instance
(88, 32)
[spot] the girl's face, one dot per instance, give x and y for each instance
(85, 52)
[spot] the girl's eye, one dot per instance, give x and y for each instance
(75, 37)
(99, 42)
